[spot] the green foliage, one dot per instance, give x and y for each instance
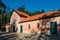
(58, 9)
(22, 8)
(4, 16)
(34, 13)
(2, 5)
(42, 11)
(29, 13)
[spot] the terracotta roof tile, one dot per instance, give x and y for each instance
(51, 13)
(39, 16)
(22, 13)
(35, 17)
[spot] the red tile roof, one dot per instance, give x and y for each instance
(35, 17)
(22, 13)
(51, 13)
(38, 16)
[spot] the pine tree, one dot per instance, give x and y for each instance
(22, 8)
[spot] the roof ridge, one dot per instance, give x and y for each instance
(22, 13)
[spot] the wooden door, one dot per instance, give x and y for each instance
(53, 27)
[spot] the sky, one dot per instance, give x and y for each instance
(33, 5)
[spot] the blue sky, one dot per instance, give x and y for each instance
(33, 5)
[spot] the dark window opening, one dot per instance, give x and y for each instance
(14, 29)
(21, 28)
(38, 25)
(29, 26)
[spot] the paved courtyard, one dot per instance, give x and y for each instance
(20, 36)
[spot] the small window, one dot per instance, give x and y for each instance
(38, 25)
(29, 26)
(21, 28)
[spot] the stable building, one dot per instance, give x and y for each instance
(21, 22)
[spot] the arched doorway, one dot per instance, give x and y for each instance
(13, 26)
(14, 30)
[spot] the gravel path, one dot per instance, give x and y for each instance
(21, 36)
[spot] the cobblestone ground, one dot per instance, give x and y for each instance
(20, 36)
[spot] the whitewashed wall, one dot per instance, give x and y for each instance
(33, 25)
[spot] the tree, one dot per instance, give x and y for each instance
(22, 8)
(8, 15)
(2, 4)
(58, 9)
(42, 11)
(2, 11)
(37, 12)
(4, 14)
(29, 13)
(2, 7)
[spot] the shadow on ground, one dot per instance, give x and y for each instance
(9, 37)
(49, 37)
(31, 37)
